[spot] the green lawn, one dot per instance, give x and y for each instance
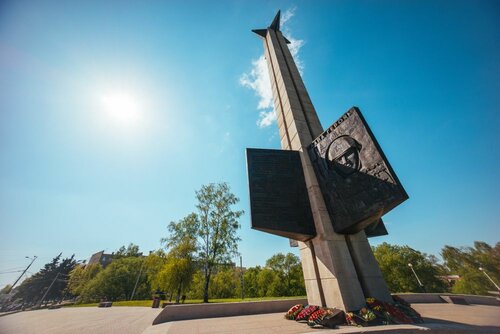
(149, 302)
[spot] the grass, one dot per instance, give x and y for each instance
(149, 302)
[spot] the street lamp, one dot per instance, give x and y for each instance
(25, 270)
(418, 280)
(481, 269)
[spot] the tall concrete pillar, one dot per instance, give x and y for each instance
(339, 270)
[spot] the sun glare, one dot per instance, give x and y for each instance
(122, 108)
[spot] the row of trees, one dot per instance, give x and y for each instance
(179, 272)
(464, 262)
(49, 283)
(196, 261)
(138, 277)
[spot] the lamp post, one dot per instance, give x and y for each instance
(29, 265)
(51, 284)
(241, 279)
(137, 281)
(416, 276)
(481, 269)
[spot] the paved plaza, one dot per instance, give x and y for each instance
(80, 320)
(440, 318)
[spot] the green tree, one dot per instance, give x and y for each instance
(117, 281)
(251, 284)
(130, 250)
(177, 272)
(80, 276)
(289, 270)
(393, 261)
(196, 287)
(225, 284)
(213, 227)
(153, 264)
(268, 283)
(51, 281)
(5, 289)
(466, 261)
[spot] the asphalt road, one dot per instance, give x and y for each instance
(80, 320)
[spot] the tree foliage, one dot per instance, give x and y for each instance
(213, 227)
(6, 289)
(178, 270)
(282, 277)
(152, 266)
(53, 275)
(80, 276)
(130, 250)
(393, 261)
(288, 270)
(117, 281)
(466, 261)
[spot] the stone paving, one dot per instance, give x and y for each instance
(80, 320)
(440, 318)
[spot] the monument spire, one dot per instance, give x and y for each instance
(339, 270)
(275, 25)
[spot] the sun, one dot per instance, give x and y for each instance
(122, 108)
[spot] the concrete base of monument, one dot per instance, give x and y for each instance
(217, 310)
(441, 318)
(431, 298)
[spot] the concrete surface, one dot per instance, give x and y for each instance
(440, 318)
(80, 320)
(217, 310)
(213, 310)
(428, 298)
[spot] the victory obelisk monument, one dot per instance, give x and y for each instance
(339, 267)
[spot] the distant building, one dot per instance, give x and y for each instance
(101, 258)
(450, 279)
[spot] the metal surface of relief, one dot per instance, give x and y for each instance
(279, 203)
(356, 180)
(376, 229)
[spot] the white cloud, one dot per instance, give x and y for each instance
(295, 44)
(266, 118)
(258, 77)
(287, 15)
(258, 80)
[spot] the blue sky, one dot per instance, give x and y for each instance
(78, 175)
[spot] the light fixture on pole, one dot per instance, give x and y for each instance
(29, 265)
(481, 269)
(242, 281)
(416, 276)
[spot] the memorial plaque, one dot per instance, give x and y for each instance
(279, 202)
(357, 181)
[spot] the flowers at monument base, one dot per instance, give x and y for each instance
(306, 312)
(293, 311)
(364, 318)
(326, 317)
(396, 315)
(405, 307)
(375, 313)
(381, 313)
(372, 303)
(316, 316)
